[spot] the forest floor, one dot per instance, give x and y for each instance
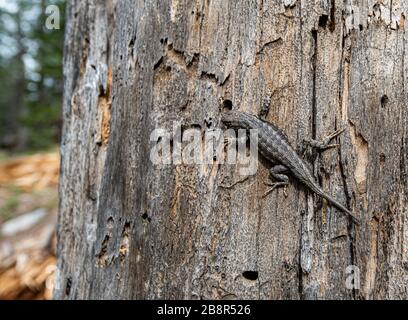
(28, 209)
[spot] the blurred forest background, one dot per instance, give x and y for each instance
(30, 74)
(30, 125)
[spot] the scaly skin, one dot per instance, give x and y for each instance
(274, 146)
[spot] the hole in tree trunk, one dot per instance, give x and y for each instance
(68, 286)
(250, 275)
(384, 100)
(227, 104)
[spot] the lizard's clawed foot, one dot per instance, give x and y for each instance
(274, 186)
(230, 186)
(336, 133)
(226, 142)
(233, 141)
(325, 143)
(277, 173)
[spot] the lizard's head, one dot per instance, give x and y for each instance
(237, 119)
(231, 119)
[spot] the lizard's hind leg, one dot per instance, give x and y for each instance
(277, 172)
(325, 143)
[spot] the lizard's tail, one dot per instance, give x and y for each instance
(337, 204)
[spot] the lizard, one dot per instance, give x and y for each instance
(274, 145)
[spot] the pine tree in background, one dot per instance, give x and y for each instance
(30, 69)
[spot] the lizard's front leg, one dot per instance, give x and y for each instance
(277, 172)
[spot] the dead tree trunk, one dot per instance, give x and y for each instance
(129, 229)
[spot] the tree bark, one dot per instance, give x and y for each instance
(131, 230)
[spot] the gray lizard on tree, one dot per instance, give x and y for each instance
(275, 147)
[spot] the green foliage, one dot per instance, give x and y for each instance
(31, 74)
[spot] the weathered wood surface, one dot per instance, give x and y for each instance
(129, 229)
